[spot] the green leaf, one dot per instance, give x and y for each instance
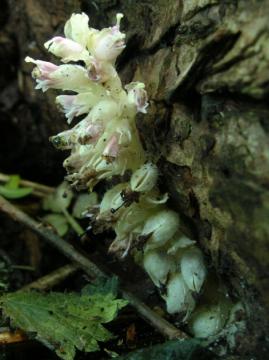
(60, 200)
(59, 222)
(63, 322)
(14, 193)
(13, 182)
(188, 349)
(102, 286)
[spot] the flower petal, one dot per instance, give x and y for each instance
(77, 28)
(67, 49)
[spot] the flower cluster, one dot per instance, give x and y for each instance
(105, 143)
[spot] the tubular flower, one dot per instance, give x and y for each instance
(67, 49)
(105, 144)
(77, 29)
(107, 44)
(76, 105)
(137, 96)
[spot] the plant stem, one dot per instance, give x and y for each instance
(73, 223)
(159, 323)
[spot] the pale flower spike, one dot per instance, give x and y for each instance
(105, 144)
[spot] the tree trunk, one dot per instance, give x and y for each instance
(205, 64)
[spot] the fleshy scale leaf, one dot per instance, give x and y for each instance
(63, 322)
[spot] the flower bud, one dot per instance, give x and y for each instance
(137, 96)
(158, 265)
(161, 226)
(178, 298)
(112, 199)
(145, 178)
(66, 49)
(208, 321)
(193, 269)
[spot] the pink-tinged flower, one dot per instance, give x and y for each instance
(100, 71)
(65, 77)
(69, 107)
(112, 148)
(94, 70)
(77, 29)
(91, 134)
(76, 105)
(66, 49)
(43, 73)
(137, 95)
(108, 43)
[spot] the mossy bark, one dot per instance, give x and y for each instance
(205, 64)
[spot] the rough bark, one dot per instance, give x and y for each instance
(205, 65)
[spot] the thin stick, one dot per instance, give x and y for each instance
(55, 277)
(39, 190)
(162, 325)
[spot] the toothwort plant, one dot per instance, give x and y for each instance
(106, 143)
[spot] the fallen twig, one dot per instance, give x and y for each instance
(48, 281)
(159, 323)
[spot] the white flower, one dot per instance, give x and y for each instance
(91, 134)
(77, 29)
(137, 96)
(178, 298)
(208, 321)
(65, 77)
(43, 73)
(112, 148)
(145, 178)
(75, 105)
(160, 227)
(112, 202)
(100, 71)
(108, 43)
(158, 265)
(193, 268)
(67, 49)
(128, 228)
